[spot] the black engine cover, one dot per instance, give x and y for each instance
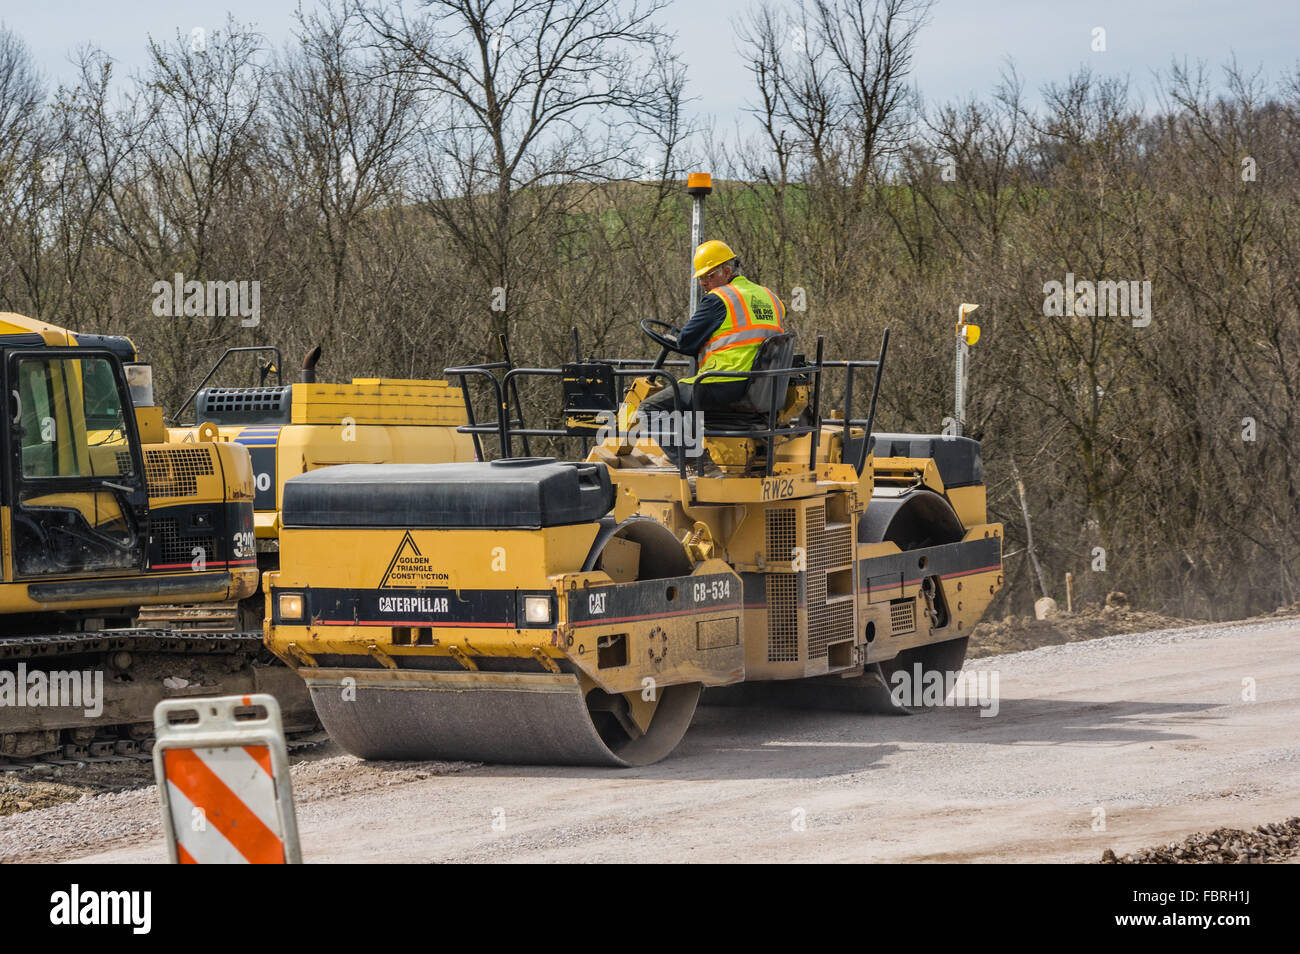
(516, 493)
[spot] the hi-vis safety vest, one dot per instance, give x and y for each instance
(754, 314)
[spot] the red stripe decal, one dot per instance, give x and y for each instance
(943, 576)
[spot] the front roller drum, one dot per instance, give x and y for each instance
(512, 718)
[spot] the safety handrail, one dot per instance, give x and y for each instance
(507, 426)
(502, 425)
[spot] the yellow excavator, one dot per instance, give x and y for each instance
(134, 550)
(102, 516)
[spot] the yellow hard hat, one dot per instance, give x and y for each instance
(710, 255)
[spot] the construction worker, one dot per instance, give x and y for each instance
(734, 318)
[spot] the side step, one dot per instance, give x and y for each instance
(191, 617)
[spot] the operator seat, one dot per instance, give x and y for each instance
(760, 407)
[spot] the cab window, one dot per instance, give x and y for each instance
(71, 419)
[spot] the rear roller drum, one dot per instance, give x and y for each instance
(873, 691)
(944, 660)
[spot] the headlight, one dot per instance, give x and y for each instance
(290, 605)
(537, 609)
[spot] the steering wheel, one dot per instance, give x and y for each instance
(668, 340)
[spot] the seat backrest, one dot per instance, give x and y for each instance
(776, 352)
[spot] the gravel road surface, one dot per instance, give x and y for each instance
(1122, 743)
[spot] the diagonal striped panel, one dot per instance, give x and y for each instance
(236, 792)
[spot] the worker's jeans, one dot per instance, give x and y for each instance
(693, 398)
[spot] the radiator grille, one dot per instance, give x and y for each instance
(177, 549)
(828, 549)
(782, 535)
(902, 616)
(235, 400)
(175, 472)
(782, 618)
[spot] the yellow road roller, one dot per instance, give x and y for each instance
(535, 610)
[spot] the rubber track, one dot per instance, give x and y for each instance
(45, 652)
(113, 640)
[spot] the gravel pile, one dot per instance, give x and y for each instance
(1276, 842)
(336, 775)
(91, 822)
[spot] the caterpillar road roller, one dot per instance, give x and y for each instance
(533, 610)
(101, 516)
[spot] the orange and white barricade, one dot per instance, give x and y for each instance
(223, 778)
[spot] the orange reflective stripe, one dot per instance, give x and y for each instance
(224, 810)
(734, 344)
(731, 318)
(778, 308)
(740, 306)
(741, 343)
(739, 339)
(262, 755)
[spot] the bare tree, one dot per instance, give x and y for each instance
(207, 122)
(23, 142)
(526, 101)
(834, 110)
(342, 123)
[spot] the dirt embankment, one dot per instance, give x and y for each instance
(23, 795)
(1013, 634)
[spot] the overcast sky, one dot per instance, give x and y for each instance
(960, 53)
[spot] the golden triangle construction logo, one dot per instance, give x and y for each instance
(410, 569)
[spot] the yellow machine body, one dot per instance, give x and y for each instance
(189, 505)
(365, 421)
(182, 481)
(106, 527)
(816, 600)
(483, 627)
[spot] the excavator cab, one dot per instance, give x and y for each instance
(102, 516)
(124, 554)
(76, 488)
